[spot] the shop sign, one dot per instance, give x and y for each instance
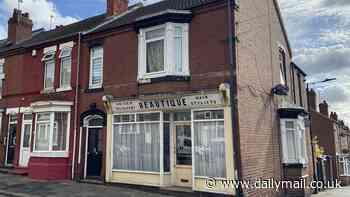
(170, 103)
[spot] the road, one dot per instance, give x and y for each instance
(342, 192)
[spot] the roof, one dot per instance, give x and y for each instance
(299, 69)
(41, 37)
(154, 9)
(102, 22)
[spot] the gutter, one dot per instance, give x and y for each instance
(233, 93)
(76, 106)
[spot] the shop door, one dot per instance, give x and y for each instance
(94, 153)
(183, 154)
(25, 143)
(11, 142)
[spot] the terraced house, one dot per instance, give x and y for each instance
(164, 95)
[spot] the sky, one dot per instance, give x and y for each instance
(318, 31)
(319, 34)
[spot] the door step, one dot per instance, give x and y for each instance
(92, 181)
(177, 189)
(18, 171)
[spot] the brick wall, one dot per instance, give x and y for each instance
(260, 35)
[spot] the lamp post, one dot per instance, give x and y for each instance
(312, 144)
(318, 82)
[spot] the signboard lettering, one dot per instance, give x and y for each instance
(181, 102)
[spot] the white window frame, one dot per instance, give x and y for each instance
(193, 147)
(299, 138)
(161, 151)
(65, 57)
(92, 57)
(48, 58)
(283, 73)
(346, 165)
(50, 152)
(169, 51)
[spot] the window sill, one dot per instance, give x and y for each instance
(167, 78)
(295, 165)
(94, 90)
(47, 91)
(63, 154)
(63, 89)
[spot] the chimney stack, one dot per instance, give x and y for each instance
(20, 26)
(334, 116)
(324, 108)
(312, 99)
(116, 7)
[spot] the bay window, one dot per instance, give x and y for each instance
(49, 74)
(163, 51)
(294, 141)
(51, 132)
(65, 69)
(96, 67)
(209, 143)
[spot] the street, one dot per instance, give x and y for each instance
(18, 186)
(343, 192)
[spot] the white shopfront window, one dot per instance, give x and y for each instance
(209, 143)
(170, 141)
(136, 142)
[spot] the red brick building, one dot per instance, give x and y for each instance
(141, 95)
(332, 136)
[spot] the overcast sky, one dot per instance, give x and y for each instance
(318, 31)
(319, 34)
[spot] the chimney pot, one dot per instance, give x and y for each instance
(116, 7)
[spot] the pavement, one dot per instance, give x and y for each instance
(341, 192)
(19, 186)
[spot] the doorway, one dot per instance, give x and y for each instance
(94, 148)
(94, 153)
(183, 149)
(11, 140)
(25, 140)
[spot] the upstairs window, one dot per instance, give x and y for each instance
(282, 64)
(293, 141)
(49, 75)
(163, 51)
(301, 88)
(65, 69)
(96, 67)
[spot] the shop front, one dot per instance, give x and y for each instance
(170, 141)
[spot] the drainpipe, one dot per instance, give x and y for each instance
(76, 105)
(233, 93)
